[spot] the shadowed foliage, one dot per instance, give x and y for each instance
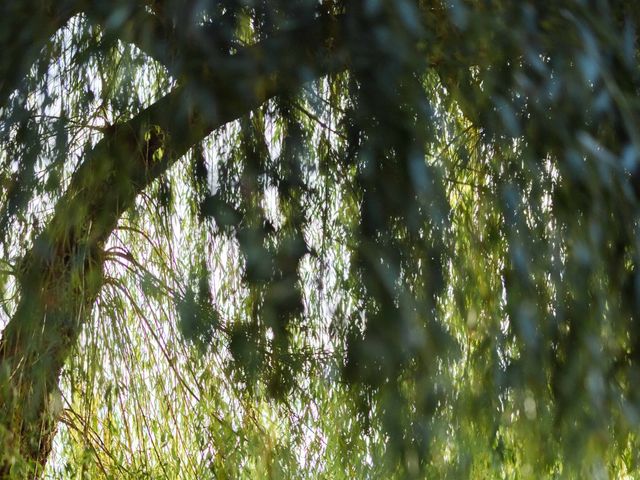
(319, 239)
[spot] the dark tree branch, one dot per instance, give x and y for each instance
(25, 28)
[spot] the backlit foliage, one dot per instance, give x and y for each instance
(422, 263)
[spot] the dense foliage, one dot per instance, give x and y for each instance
(319, 239)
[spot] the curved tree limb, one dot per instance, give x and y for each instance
(25, 28)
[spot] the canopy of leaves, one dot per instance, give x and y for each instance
(419, 260)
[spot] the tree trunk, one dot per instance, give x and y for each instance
(57, 294)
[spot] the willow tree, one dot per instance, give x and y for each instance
(319, 239)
